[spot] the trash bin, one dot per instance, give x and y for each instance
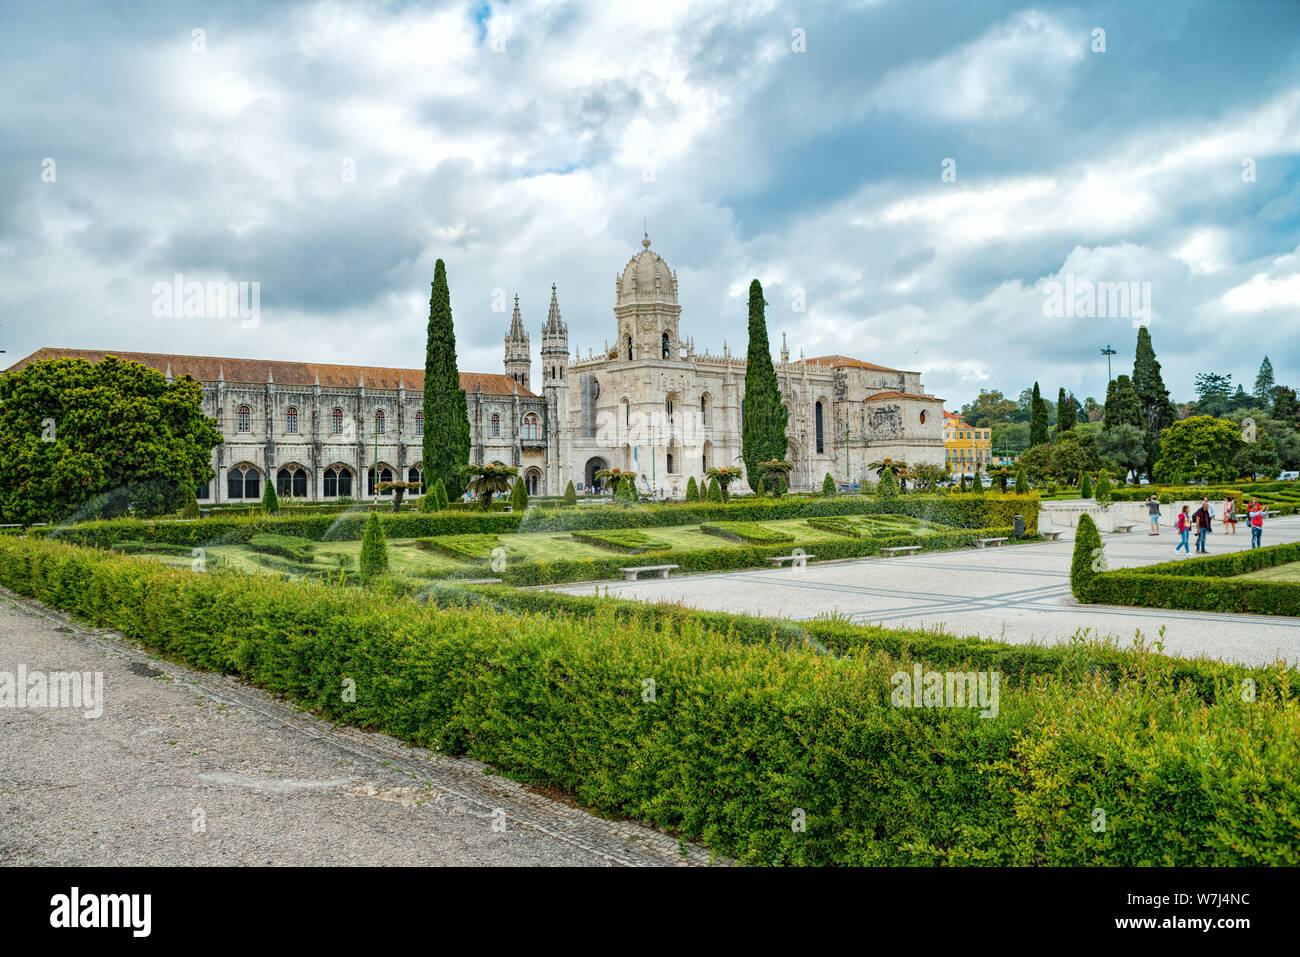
(1019, 526)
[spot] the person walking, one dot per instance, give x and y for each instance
(1201, 519)
(1153, 514)
(1255, 516)
(1230, 515)
(1184, 526)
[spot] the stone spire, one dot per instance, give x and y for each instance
(519, 356)
(785, 350)
(555, 345)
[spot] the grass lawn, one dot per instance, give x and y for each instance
(1278, 573)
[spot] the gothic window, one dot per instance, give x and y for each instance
(204, 490)
(416, 474)
(670, 463)
(291, 420)
(385, 475)
(494, 426)
(666, 345)
(379, 421)
(821, 443)
(291, 481)
(704, 410)
(530, 426)
(338, 481)
(243, 481)
(668, 409)
(629, 347)
(244, 418)
(532, 481)
(336, 421)
(419, 423)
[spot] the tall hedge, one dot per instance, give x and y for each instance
(829, 488)
(374, 551)
(270, 501)
(570, 494)
(714, 494)
(1085, 486)
(446, 411)
(692, 490)
(1022, 485)
(519, 495)
(1088, 557)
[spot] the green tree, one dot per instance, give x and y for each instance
(446, 412)
(764, 418)
(714, 493)
(774, 474)
(1199, 448)
(1286, 407)
(989, 408)
(1157, 412)
(625, 495)
(85, 440)
(519, 495)
(1010, 437)
(435, 500)
(725, 475)
(1022, 485)
(1123, 407)
(1126, 444)
(1085, 486)
(692, 490)
(1037, 463)
(887, 487)
(1105, 490)
(191, 509)
(570, 494)
(270, 501)
(374, 550)
(487, 480)
(1089, 559)
(928, 476)
(1038, 418)
(1258, 458)
(1213, 394)
(1067, 413)
(977, 483)
(1265, 384)
(829, 488)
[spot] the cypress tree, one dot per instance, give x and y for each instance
(1123, 407)
(518, 496)
(1265, 383)
(270, 501)
(446, 412)
(692, 490)
(829, 488)
(191, 509)
(1022, 485)
(1087, 554)
(977, 484)
(1085, 486)
(374, 550)
(763, 436)
(570, 494)
(1156, 412)
(1066, 413)
(1104, 487)
(1037, 418)
(887, 487)
(435, 499)
(715, 492)
(963, 485)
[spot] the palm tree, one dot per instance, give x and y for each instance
(778, 468)
(888, 465)
(614, 477)
(488, 480)
(909, 474)
(1002, 473)
(724, 475)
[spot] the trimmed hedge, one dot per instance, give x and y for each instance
(954, 511)
(1201, 584)
(751, 533)
(737, 739)
(285, 546)
(626, 540)
(464, 548)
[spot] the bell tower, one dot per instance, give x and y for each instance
(518, 358)
(646, 308)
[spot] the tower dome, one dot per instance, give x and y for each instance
(647, 278)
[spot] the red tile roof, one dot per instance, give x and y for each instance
(208, 368)
(838, 361)
(903, 395)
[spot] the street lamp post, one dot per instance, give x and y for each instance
(1108, 352)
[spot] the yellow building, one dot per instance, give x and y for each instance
(966, 449)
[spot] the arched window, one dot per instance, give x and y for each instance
(204, 490)
(530, 426)
(336, 421)
(668, 410)
(379, 421)
(338, 481)
(419, 423)
(629, 347)
(666, 345)
(416, 474)
(494, 426)
(243, 481)
(291, 420)
(670, 463)
(291, 480)
(244, 419)
(532, 481)
(704, 410)
(821, 443)
(385, 475)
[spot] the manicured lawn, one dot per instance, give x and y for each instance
(1279, 573)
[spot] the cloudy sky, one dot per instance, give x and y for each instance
(332, 151)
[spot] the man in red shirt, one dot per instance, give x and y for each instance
(1255, 515)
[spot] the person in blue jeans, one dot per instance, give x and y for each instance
(1184, 526)
(1202, 522)
(1255, 515)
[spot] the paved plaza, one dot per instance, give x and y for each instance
(1018, 594)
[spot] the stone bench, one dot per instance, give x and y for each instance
(1123, 528)
(984, 542)
(630, 574)
(1050, 536)
(798, 560)
(905, 549)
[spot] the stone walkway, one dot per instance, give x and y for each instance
(1018, 594)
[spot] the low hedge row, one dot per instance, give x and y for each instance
(751, 533)
(1166, 494)
(627, 540)
(1201, 584)
(732, 743)
(285, 546)
(955, 511)
(729, 558)
(464, 548)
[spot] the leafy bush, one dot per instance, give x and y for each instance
(270, 501)
(570, 494)
(829, 488)
(714, 493)
(740, 733)
(622, 540)
(887, 487)
(374, 551)
(435, 500)
(1085, 486)
(750, 532)
(1087, 553)
(692, 490)
(519, 495)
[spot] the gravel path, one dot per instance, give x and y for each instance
(190, 768)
